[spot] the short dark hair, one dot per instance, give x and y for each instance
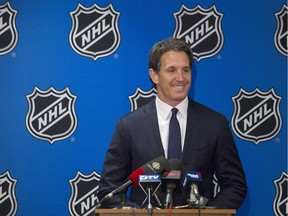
(169, 44)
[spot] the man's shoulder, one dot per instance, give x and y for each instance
(144, 109)
(204, 109)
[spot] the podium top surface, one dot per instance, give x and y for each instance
(165, 212)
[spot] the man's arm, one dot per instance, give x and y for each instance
(229, 172)
(116, 168)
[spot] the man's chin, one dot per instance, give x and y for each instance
(179, 98)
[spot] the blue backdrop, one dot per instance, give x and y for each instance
(70, 69)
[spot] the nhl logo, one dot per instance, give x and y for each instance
(217, 188)
(256, 115)
(281, 200)
(140, 98)
(8, 202)
(51, 115)
(94, 31)
(8, 32)
(281, 35)
(201, 29)
(83, 197)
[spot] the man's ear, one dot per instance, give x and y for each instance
(154, 76)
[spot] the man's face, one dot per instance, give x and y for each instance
(174, 78)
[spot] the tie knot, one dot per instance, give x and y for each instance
(174, 111)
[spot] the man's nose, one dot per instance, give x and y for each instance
(179, 75)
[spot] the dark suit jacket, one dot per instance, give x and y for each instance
(208, 147)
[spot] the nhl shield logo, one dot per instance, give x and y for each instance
(140, 98)
(216, 185)
(280, 204)
(281, 34)
(201, 29)
(8, 202)
(256, 115)
(83, 197)
(94, 31)
(8, 32)
(51, 115)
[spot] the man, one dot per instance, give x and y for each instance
(206, 141)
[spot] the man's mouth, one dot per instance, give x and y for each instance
(179, 87)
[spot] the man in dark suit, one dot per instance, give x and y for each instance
(207, 144)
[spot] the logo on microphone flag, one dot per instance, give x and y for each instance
(94, 31)
(8, 202)
(193, 175)
(151, 181)
(51, 115)
(149, 178)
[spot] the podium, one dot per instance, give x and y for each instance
(165, 212)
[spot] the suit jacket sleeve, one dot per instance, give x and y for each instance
(116, 167)
(229, 171)
(210, 148)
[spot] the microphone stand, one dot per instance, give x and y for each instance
(123, 203)
(149, 207)
(149, 195)
(156, 199)
(192, 202)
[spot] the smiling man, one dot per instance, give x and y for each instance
(200, 138)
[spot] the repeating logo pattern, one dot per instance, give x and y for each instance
(280, 204)
(51, 114)
(201, 28)
(8, 202)
(281, 34)
(95, 34)
(8, 31)
(140, 98)
(83, 197)
(94, 31)
(256, 115)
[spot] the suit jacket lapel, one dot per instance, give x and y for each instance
(150, 124)
(192, 129)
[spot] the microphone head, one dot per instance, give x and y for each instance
(135, 176)
(172, 175)
(154, 166)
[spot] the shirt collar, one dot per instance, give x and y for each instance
(165, 109)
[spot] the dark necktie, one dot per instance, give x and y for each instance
(174, 141)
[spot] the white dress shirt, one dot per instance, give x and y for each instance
(164, 114)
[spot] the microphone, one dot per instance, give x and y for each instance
(192, 179)
(154, 166)
(171, 181)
